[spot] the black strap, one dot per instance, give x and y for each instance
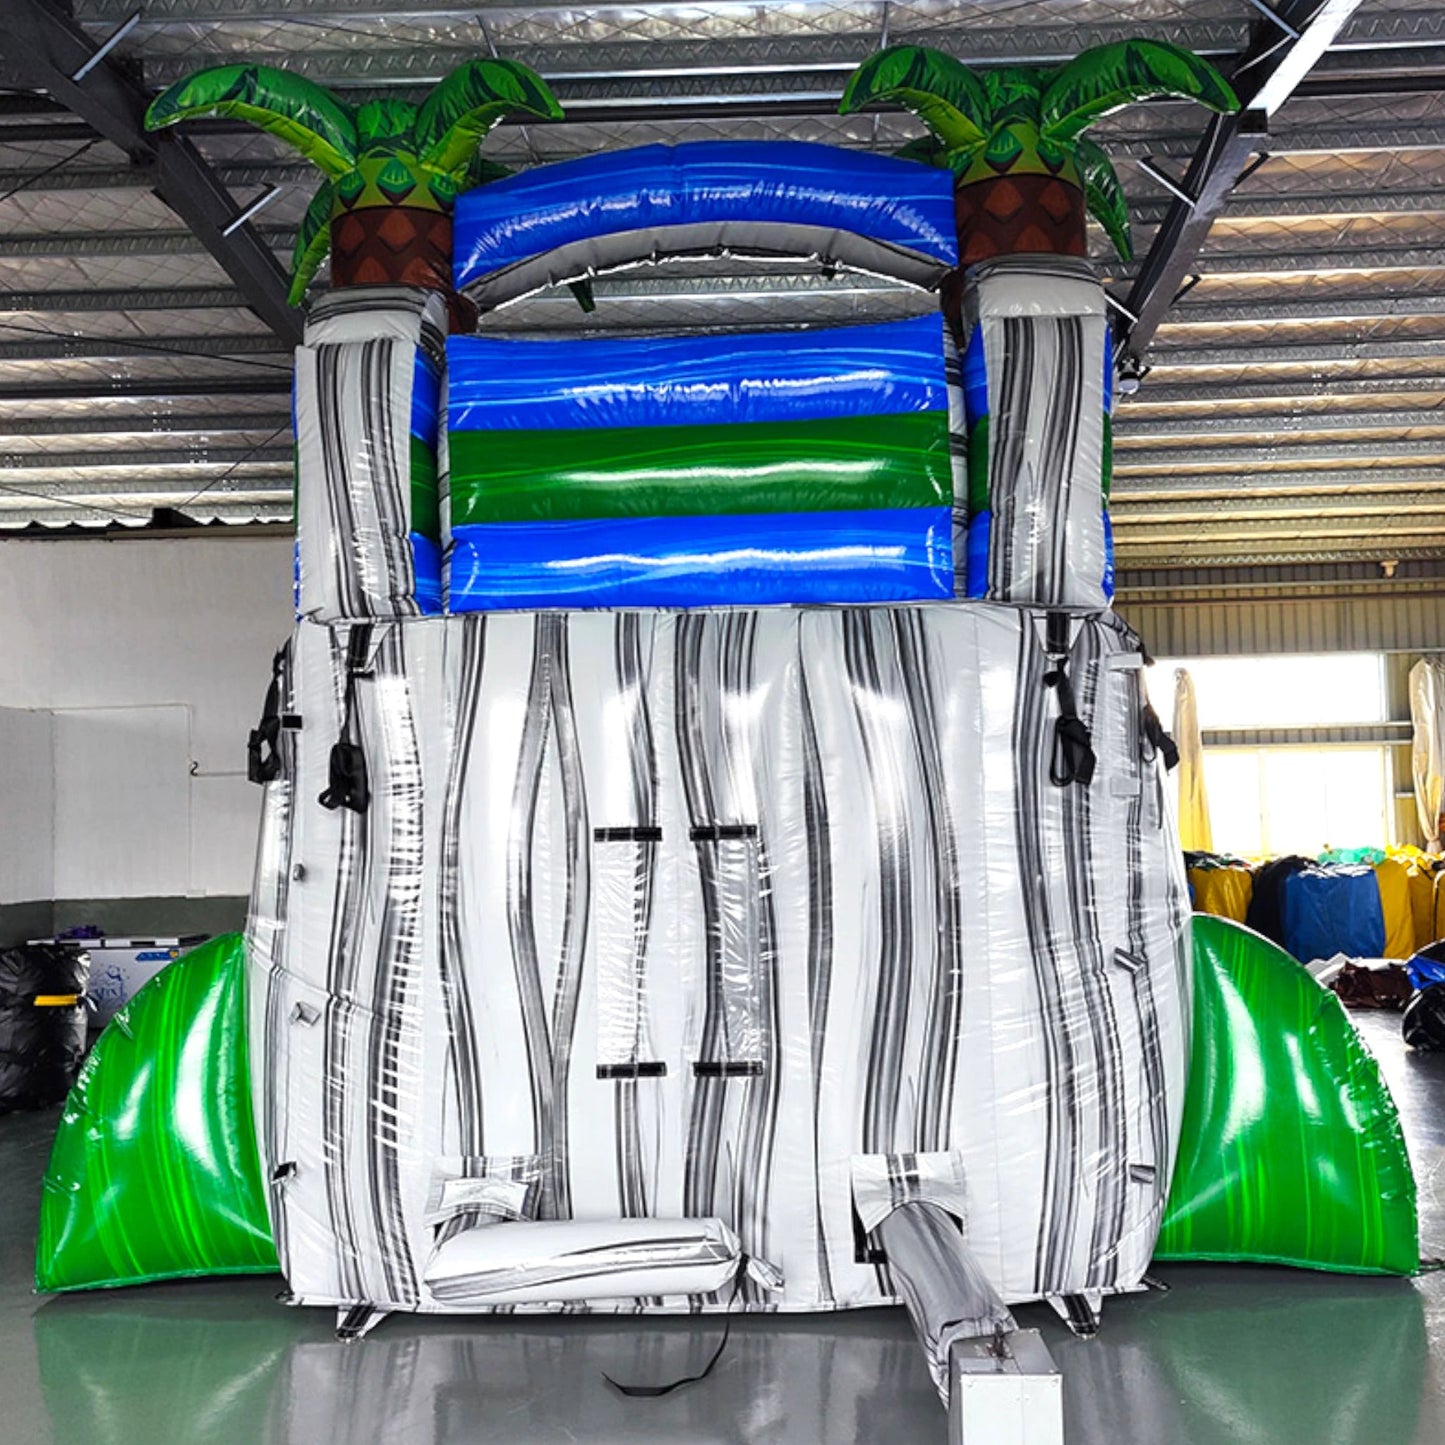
(653, 1392)
(1160, 743)
(263, 758)
(348, 783)
(1073, 759)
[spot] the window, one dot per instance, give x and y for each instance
(1265, 801)
(1299, 691)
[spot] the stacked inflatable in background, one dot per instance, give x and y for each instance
(1382, 906)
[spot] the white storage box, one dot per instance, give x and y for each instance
(119, 966)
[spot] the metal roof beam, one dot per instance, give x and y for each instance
(1286, 309)
(1200, 392)
(1342, 353)
(49, 49)
(1286, 206)
(266, 455)
(1250, 506)
(1266, 552)
(134, 243)
(130, 424)
(1316, 483)
(37, 180)
(1139, 461)
(1306, 524)
(117, 348)
(1271, 69)
(1340, 261)
(614, 62)
(1249, 429)
(186, 298)
(155, 389)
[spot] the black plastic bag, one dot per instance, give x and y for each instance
(42, 1024)
(1423, 1026)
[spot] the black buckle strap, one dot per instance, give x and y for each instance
(348, 783)
(653, 1392)
(1160, 743)
(263, 757)
(1073, 759)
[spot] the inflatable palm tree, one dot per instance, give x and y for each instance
(1015, 140)
(393, 169)
(1033, 323)
(368, 526)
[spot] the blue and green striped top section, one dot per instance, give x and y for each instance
(702, 470)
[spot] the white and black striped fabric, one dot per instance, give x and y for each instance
(675, 915)
(1044, 324)
(352, 413)
(561, 1260)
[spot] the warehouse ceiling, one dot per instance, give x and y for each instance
(1290, 328)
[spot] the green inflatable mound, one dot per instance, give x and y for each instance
(155, 1173)
(1291, 1150)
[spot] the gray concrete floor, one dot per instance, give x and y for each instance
(1230, 1355)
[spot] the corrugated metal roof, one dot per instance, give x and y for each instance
(1296, 409)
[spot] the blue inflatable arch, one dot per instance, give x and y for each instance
(559, 223)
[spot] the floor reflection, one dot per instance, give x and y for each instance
(1237, 1356)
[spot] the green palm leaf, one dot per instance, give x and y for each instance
(924, 149)
(469, 102)
(296, 110)
(482, 172)
(1109, 77)
(380, 121)
(1104, 196)
(1014, 92)
(940, 91)
(313, 241)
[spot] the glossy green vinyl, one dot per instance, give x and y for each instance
(1291, 1150)
(425, 499)
(155, 1172)
(830, 464)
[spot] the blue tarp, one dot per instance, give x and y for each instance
(787, 183)
(737, 561)
(709, 380)
(1424, 971)
(1333, 909)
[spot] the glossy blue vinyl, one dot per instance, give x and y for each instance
(704, 380)
(901, 204)
(737, 561)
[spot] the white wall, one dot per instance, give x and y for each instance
(154, 657)
(27, 806)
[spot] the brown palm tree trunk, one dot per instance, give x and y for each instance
(392, 246)
(1015, 215)
(398, 246)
